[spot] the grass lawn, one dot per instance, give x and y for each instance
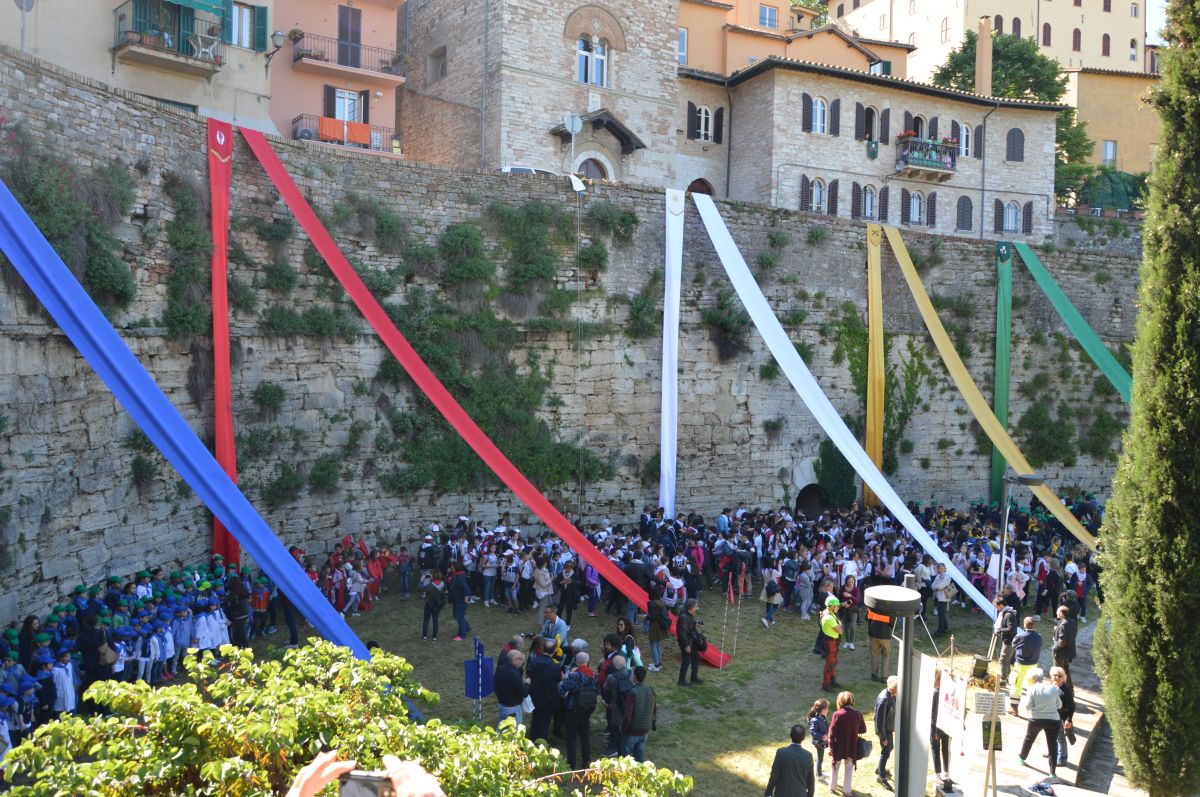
(723, 733)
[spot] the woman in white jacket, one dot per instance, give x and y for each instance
(1040, 704)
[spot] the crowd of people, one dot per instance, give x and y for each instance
(793, 564)
(139, 628)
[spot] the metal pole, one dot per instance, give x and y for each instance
(906, 698)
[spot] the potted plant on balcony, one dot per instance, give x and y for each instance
(294, 35)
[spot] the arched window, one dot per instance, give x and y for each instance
(871, 124)
(584, 58)
(945, 29)
(919, 126)
(704, 122)
(820, 116)
(1012, 217)
(1105, 45)
(593, 169)
(868, 202)
(841, 11)
(817, 192)
(700, 186)
(1015, 145)
(1016, 27)
(1045, 34)
(916, 208)
(1108, 5)
(1133, 9)
(912, 6)
(912, 38)
(963, 219)
(1076, 40)
(964, 139)
(600, 61)
(999, 24)
(1133, 49)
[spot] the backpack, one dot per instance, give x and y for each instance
(772, 588)
(584, 699)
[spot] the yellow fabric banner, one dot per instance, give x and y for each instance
(875, 364)
(975, 401)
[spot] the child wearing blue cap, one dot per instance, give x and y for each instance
(7, 704)
(64, 682)
(181, 635)
(26, 707)
(43, 661)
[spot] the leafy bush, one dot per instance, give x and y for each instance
(325, 474)
(593, 256)
(1097, 440)
(242, 297)
(728, 325)
(246, 728)
(768, 370)
(766, 261)
(774, 427)
(778, 239)
(607, 218)
(461, 247)
(645, 321)
(281, 321)
(284, 488)
(1046, 439)
(279, 276)
(379, 223)
(268, 397)
(835, 475)
(143, 470)
(817, 235)
(652, 469)
(557, 302)
(530, 234)
(189, 308)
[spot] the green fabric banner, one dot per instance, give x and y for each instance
(1003, 364)
(207, 6)
(1083, 333)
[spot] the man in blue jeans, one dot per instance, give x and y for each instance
(885, 727)
(460, 590)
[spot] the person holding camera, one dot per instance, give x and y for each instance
(511, 686)
(409, 779)
(686, 628)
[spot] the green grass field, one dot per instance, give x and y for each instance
(723, 733)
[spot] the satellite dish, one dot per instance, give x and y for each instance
(306, 134)
(25, 5)
(573, 122)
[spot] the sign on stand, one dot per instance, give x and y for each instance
(479, 672)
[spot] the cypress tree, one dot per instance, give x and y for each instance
(1150, 655)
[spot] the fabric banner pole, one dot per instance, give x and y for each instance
(1091, 343)
(86, 327)
(970, 392)
(876, 368)
(814, 398)
(431, 386)
(220, 162)
(669, 423)
(1003, 365)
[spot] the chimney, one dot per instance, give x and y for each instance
(983, 58)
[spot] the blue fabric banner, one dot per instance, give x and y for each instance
(100, 345)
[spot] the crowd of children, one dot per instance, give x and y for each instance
(140, 628)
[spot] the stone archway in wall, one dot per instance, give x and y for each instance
(589, 149)
(810, 500)
(597, 21)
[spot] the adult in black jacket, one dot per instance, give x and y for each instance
(1064, 641)
(792, 770)
(511, 686)
(1004, 629)
(685, 629)
(544, 676)
(1066, 712)
(434, 591)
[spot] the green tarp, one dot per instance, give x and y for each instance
(213, 7)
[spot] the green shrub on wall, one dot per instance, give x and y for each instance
(728, 325)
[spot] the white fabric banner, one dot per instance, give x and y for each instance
(669, 425)
(810, 392)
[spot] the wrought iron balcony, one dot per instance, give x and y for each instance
(309, 127)
(330, 55)
(922, 158)
(172, 36)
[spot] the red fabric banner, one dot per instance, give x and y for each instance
(432, 387)
(220, 161)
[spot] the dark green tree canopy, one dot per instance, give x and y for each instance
(1150, 656)
(1019, 71)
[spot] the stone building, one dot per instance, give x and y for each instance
(1101, 34)
(207, 56)
(807, 120)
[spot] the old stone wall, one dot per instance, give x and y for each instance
(71, 512)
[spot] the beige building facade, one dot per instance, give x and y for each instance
(335, 78)
(207, 56)
(1119, 118)
(1099, 34)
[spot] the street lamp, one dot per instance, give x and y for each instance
(277, 39)
(903, 603)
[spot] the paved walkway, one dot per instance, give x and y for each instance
(1103, 771)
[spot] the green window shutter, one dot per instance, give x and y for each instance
(227, 22)
(141, 15)
(187, 26)
(887, 67)
(260, 28)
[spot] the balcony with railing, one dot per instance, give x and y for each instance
(360, 135)
(181, 37)
(925, 159)
(336, 58)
